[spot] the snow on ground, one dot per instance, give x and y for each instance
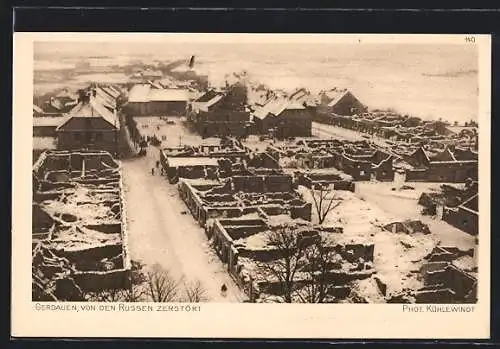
(159, 231)
(352, 212)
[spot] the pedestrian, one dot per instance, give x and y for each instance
(153, 171)
(157, 163)
(223, 290)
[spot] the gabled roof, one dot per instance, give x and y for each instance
(213, 100)
(112, 92)
(276, 106)
(154, 84)
(105, 99)
(337, 97)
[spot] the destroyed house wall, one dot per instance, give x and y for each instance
(462, 218)
(226, 232)
(223, 128)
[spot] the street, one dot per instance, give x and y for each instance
(160, 231)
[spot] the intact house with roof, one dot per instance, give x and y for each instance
(457, 204)
(284, 117)
(92, 124)
(340, 102)
(222, 113)
(148, 100)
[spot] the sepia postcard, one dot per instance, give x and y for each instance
(251, 185)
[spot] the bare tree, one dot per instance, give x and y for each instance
(162, 287)
(195, 292)
(285, 240)
(318, 258)
(324, 201)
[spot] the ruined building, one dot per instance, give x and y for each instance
(153, 99)
(339, 101)
(79, 227)
(222, 113)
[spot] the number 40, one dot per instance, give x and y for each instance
(470, 39)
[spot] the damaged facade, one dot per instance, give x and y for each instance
(79, 227)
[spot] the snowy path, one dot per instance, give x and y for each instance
(159, 233)
(396, 204)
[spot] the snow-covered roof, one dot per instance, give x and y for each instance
(145, 93)
(213, 100)
(44, 143)
(139, 93)
(168, 95)
(334, 95)
(48, 121)
(155, 84)
(276, 107)
(37, 109)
